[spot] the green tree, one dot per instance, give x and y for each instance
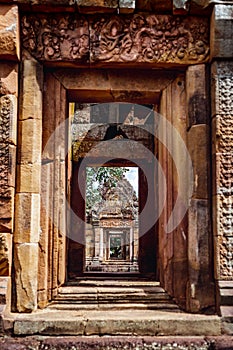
(99, 177)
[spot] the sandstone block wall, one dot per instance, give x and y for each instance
(9, 55)
(112, 41)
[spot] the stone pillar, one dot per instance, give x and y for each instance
(9, 55)
(101, 256)
(200, 286)
(172, 246)
(97, 239)
(52, 243)
(222, 134)
(27, 209)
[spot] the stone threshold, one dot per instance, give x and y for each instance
(113, 323)
(116, 343)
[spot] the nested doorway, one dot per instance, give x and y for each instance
(111, 235)
(166, 253)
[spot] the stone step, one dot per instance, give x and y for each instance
(227, 313)
(116, 322)
(127, 275)
(113, 283)
(226, 296)
(121, 306)
(223, 342)
(227, 319)
(114, 291)
(226, 293)
(111, 301)
(113, 295)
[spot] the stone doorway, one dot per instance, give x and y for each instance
(171, 255)
(121, 133)
(111, 230)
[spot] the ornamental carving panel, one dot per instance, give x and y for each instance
(224, 134)
(5, 121)
(132, 38)
(149, 38)
(223, 91)
(55, 37)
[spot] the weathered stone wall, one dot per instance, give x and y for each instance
(222, 131)
(9, 54)
(123, 40)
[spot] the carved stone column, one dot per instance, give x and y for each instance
(27, 211)
(222, 131)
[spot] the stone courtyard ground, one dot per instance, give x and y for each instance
(114, 343)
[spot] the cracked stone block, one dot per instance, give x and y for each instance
(27, 218)
(95, 6)
(9, 29)
(221, 39)
(30, 136)
(180, 7)
(5, 256)
(127, 6)
(8, 78)
(26, 268)
(196, 95)
(198, 142)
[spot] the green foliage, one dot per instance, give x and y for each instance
(97, 178)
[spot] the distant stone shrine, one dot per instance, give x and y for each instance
(113, 229)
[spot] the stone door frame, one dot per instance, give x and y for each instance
(60, 86)
(75, 251)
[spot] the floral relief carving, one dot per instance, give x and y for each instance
(224, 174)
(132, 38)
(225, 91)
(225, 247)
(5, 116)
(150, 38)
(224, 134)
(54, 38)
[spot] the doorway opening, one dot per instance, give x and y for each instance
(112, 138)
(111, 230)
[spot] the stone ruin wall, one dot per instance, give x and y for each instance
(16, 212)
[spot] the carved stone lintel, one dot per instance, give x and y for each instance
(56, 37)
(115, 223)
(119, 39)
(149, 39)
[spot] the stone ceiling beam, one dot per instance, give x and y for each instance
(111, 86)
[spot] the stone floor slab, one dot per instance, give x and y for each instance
(127, 323)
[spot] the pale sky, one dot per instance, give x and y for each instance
(132, 177)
